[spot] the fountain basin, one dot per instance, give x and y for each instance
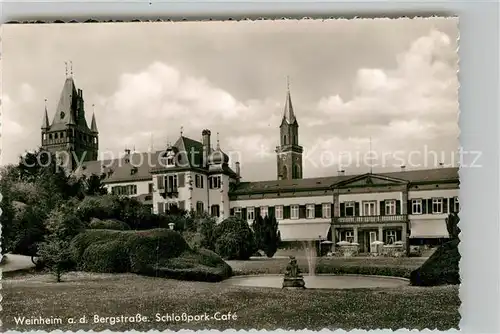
(322, 281)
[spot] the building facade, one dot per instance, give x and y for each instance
(409, 206)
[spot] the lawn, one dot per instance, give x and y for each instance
(108, 295)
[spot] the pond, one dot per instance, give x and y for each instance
(321, 281)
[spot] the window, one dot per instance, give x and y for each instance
(369, 209)
(150, 188)
(171, 183)
(416, 206)
(250, 213)
(170, 157)
(349, 236)
(237, 212)
(161, 207)
(310, 211)
(124, 190)
(214, 182)
(199, 207)
(390, 207)
(198, 181)
(294, 209)
(390, 237)
(171, 206)
(161, 182)
(264, 211)
(437, 205)
(55, 135)
(327, 210)
(349, 209)
(278, 211)
(215, 210)
(456, 204)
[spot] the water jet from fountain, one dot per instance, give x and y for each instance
(311, 257)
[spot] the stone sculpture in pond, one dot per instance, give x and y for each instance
(293, 277)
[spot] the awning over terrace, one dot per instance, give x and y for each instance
(428, 228)
(304, 231)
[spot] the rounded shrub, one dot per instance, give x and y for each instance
(149, 246)
(82, 241)
(159, 253)
(106, 257)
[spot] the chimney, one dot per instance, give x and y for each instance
(237, 167)
(403, 168)
(206, 145)
(127, 151)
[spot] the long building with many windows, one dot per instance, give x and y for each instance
(409, 206)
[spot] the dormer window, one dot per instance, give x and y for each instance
(62, 114)
(133, 171)
(170, 159)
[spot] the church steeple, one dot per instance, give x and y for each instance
(45, 122)
(289, 153)
(288, 114)
(93, 125)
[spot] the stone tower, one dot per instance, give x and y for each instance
(289, 153)
(68, 136)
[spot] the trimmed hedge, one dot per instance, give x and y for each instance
(110, 257)
(441, 268)
(158, 252)
(109, 224)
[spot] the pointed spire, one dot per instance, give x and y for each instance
(218, 143)
(288, 113)
(45, 124)
(182, 130)
(93, 125)
(70, 68)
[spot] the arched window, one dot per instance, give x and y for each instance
(296, 171)
(284, 140)
(284, 174)
(215, 210)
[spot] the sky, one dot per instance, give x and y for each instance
(369, 94)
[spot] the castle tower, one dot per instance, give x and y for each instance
(68, 136)
(289, 153)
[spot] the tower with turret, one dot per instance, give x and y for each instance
(68, 136)
(289, 152)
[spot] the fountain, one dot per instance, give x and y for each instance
(293, 279)
(310, 251)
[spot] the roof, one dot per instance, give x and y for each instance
(93, 126)
(67, 103)
(414, 176)
(288, 114)
(131, 167)
(139, 166)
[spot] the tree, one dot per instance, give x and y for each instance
(63, 225)
(234, 239)
(452, 225)
(266, 234)
(94, 185)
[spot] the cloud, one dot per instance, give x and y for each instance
(160, 99)
(407, 107)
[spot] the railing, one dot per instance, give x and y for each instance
(370, 219)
